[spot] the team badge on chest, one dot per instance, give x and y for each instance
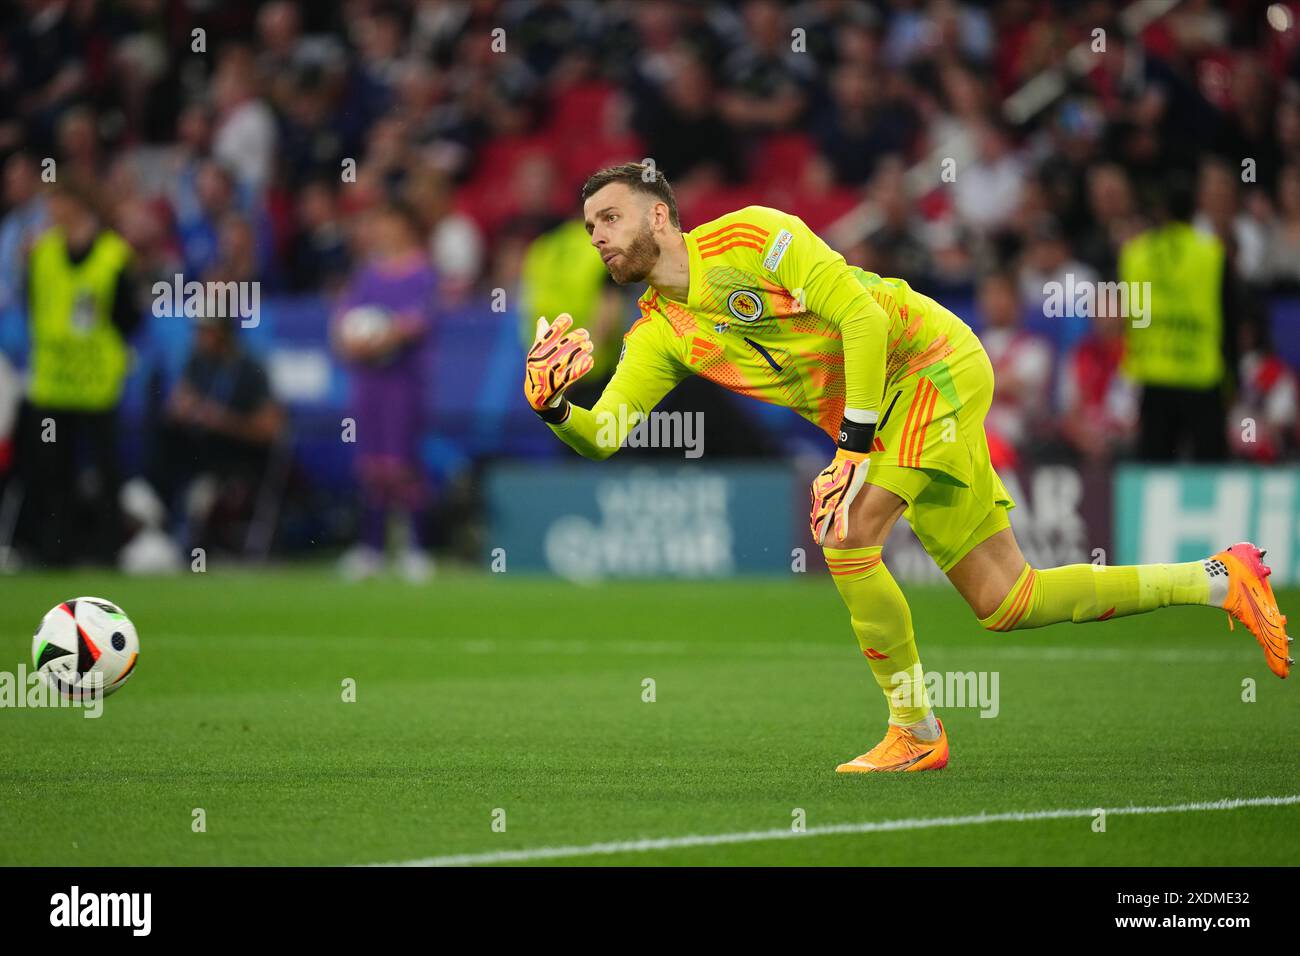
(745, 305)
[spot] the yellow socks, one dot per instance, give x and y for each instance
(1090, 592)
(882, 622)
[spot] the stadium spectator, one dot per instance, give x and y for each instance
(682, 126)
(952, 254)
(1262, 422)
(244, 136)
(938, 31)
(454, 240)
(320, 251)
(1112, 219)
(1049, 270)
(987, 191)
(1098, 403)
(548, 30)
(310, 143)
(80, 155)
(199, 215)
(896, 246)
(1247, 118)
(156, 258)
(383, 321)
(765, 83)
(388, 153)
(953, 105)
(857, 124)
(285, 54)
(1287, 123)
(22, 224)
(1022, 364)
(82, 311)
(1282, 248)
(1219, 213)
(237, 257)
(214, 441)
(184, 158)
(841, 33)
(49, 55)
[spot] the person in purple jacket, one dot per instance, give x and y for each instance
(382, 323)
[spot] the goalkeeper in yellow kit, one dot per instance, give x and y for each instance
(758, 303)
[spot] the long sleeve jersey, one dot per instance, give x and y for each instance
(775, 313)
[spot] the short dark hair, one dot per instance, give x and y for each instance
(643, 178)
(79, 189)
(399, 208)
(1173, 195)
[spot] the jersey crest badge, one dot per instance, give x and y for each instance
(745, 305)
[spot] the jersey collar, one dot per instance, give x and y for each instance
(694, 264)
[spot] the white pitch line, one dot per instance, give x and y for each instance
(1047, 653)
(880, 826)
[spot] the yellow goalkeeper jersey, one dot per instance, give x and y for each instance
(774, 313)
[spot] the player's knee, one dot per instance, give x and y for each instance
(1000, 604)
(987, 616)
(871, 517)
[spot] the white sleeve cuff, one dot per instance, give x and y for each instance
(861, 416)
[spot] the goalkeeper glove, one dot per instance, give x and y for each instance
(557, 359)
(836, 485)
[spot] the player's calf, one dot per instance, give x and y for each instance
(1235, 579)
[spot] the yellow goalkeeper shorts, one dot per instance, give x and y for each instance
(931, 451)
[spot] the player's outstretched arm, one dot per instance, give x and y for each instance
(645, 374)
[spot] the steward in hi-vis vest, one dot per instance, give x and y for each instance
(1179, 347)
(1182, 347)
(81, 311)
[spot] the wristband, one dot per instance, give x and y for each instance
(555, 415)
(856, 436)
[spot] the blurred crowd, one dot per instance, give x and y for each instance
(245, 141)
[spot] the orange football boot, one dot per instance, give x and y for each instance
(1251, 601)
(901, 750)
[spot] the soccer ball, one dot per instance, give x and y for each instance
(86, 647)
(364, 324)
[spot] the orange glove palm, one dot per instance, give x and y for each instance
(557, 359)
(833, 491)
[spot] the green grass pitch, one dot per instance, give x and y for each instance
(483, 691)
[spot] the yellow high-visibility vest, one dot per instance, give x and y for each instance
(78, 358)
(561, 272)
(1181, 347)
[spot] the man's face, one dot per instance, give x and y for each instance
(209, 337)
(65, 212)
(618, 220)
(998, 303)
